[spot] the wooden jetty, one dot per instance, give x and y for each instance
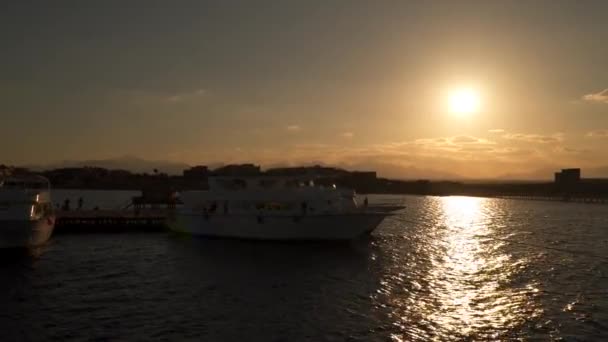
(114, 221)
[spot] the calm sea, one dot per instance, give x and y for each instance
(444, 268)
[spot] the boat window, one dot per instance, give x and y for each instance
(275, 206)
(231, 184)
(291, 184)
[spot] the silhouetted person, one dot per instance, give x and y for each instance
(173, 200)
(66, 205)
(365, 202)
(80, 203)
(304, 208)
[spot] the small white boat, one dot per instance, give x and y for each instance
(271, 208)
(27, 218)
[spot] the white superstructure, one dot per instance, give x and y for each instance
(273, 208)
(26, 211)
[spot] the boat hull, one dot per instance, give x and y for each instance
(313, 227)
(22, 233)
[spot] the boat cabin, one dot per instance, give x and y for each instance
(269, 195)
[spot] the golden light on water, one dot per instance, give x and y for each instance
(463, 283)
(464, 258)
(469, 279)
(464, 101)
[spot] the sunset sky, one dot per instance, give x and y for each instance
(357, 84)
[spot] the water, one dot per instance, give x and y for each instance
(445, 268)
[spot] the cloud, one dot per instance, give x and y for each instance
(513, 152)
(496, 130)
(147, 97)
(571, 150)
(464, 139)
(535, 138)
(459, 140)
(601, 96)
(348, 135)
(293, 128)
(600, 133)
(184, 96)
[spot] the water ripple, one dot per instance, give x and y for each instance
(444, 268)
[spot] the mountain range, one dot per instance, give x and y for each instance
(130, 163)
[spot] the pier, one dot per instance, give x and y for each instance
(567, 199)
(110, 221)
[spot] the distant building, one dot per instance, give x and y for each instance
(5, 171)
(196, 172)
(238, 170)
(363, 176)
(568, 178)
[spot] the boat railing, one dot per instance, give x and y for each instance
(257, 183)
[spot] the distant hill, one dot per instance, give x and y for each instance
(130, 163)
(385, 170)
(399, 172)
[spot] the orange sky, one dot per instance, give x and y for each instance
(350, 83)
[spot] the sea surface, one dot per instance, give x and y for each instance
(443, 268)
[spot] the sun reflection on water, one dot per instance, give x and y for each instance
(465, 284)
(464, 287)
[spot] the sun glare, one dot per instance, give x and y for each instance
(463, 101)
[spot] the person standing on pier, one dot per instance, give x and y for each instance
(80, 203)
(66, 205)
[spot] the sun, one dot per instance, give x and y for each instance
(463, 101)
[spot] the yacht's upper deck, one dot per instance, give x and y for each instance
(25, 189)
(262, 183)
(26, 182)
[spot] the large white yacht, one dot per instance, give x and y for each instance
(26, 211)
(271, 208)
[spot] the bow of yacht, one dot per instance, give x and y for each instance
(26, 211)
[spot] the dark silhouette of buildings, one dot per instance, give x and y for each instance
(6, 171)
(313, 171)
(567, 184)
(196, 172)
(238, 170)
(568, 177)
